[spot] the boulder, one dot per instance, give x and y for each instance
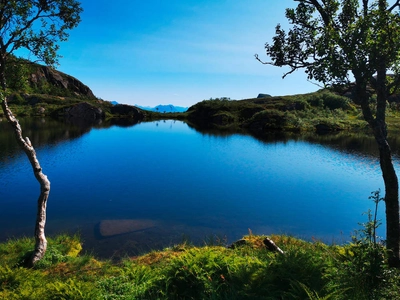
(264, 96)
(83, 111)
(125, 110)
(41, 110)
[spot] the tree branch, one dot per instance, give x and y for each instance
(365, 7)
(29, 23)
(263, 62)
(321, 10)
(397, 3)
(13, 36)
(293, 65)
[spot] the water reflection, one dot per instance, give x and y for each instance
(50, 131)
(349, 142)
(43, 131)
(185, 181)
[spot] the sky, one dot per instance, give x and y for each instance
(178, 52)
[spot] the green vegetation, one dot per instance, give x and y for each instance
(323, 110)
(307, 270)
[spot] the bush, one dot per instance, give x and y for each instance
(329, 100)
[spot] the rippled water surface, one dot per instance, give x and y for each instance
(131, 189)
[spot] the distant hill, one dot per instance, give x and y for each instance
(164, 108)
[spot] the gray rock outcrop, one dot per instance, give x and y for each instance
(60, 80)
(264, 96)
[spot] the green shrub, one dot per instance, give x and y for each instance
(329, 100)
(270, 119)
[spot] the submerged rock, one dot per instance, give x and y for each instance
(109, 228)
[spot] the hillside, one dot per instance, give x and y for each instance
(27, 77)
(34, 89)
(322, 111)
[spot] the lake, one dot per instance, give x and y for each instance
(173, 183)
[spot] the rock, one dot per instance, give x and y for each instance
(83, 111)
(61, 80)
(124, 110)
(264, 96)
(109, 228)
(41, 110)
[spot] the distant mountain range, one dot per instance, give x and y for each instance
(164, 108)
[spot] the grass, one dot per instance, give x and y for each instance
(306, 270)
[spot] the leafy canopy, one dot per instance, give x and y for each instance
(36, 25)
(335, 39)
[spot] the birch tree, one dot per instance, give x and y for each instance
(36, 26)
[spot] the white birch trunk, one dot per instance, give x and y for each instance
(40, 238)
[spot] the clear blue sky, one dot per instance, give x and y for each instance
(179, 52)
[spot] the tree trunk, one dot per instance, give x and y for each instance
(40, 238)
(378, 126)
(388, 172)
(391, 198)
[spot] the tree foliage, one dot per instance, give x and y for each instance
(337, 41)
(340, 41)
(37, 26)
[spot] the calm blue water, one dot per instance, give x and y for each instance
(192, 185)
